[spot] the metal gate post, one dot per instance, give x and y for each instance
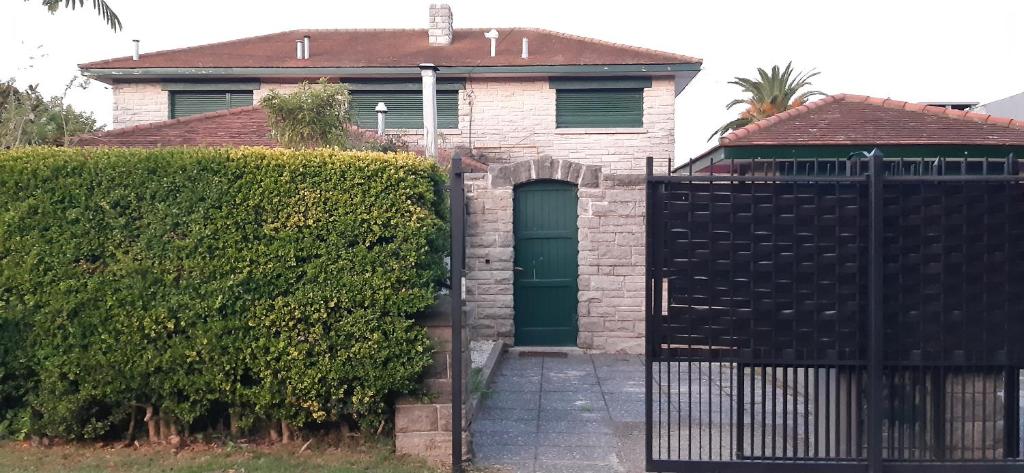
(648, 311)
(457, 196)
(875, 325)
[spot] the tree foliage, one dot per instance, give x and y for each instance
(271, 285)
(101, 7)
(27, 118)
(771, 93)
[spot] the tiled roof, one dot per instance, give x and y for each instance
(245, 126)
(859, 120)
(399, 48)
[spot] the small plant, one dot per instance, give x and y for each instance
(314, 116)
(368, 141)
(477, 384)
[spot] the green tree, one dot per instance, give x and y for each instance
(102, 9)
(771, 93)
(27, 118)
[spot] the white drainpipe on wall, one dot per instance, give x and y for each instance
(429, 73)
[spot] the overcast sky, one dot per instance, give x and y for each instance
(908, 50)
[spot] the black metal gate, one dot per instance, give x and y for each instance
(856, 315)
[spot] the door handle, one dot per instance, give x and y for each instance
(517, 268)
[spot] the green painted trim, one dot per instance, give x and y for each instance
(178, 85)
(720, 153)
(890, 151)
(599, 83)
(402, 84)
(250, 72)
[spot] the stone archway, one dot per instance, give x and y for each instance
(544, 167)
(490, 252)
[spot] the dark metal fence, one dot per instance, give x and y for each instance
(860, 315)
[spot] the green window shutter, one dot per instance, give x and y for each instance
(239, 98)
(186, 103)
(405, 108)
(599, 108)
(448, 109)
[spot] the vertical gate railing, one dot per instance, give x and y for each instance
(865, 314)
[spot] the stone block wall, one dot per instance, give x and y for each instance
(139, 103)
(266, 87)
(504, 119)
(423, 426)
(611, 252)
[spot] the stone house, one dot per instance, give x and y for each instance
(562, 125)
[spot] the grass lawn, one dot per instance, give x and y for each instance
(18, 457)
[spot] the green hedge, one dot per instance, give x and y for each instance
(269, 284)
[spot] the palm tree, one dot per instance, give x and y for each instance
(771, 93)
(101, 7)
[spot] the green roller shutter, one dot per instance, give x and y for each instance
(599, 108)
(405, 108)
(185, 103)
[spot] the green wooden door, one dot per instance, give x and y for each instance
(545, 286)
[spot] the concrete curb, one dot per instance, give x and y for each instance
(486, 373)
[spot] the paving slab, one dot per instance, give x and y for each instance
(548, 414)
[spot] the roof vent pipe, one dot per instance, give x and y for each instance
(305, 46)
(493, 36)
(135, 54)
(526, 48)
(299, 49)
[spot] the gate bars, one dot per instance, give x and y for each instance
(859, 314)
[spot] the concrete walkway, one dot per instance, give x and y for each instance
(581, 413)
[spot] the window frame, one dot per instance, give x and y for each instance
(445, 87)
(598, 116)
(443, 122)
(172, 94)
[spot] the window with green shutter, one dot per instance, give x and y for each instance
(185, 103)
(405, 108)
(599, 108)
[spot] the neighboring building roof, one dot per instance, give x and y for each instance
(1009, 107)
(245, 126)
(859, 120)
(398, 48)
(952, 104)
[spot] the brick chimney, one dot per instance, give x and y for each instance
(440, 28)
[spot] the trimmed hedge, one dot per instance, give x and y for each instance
(265, 284)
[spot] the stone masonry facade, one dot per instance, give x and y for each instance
(504, 119)
(423, 424)
(611, 260)
(139, 103)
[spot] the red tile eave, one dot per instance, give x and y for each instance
(750, 134)
(872, 143)
(406, 47)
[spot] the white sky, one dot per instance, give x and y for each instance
(909, 50)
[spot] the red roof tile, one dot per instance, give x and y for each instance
(398, 48)
(245, 126)
(860, 120)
